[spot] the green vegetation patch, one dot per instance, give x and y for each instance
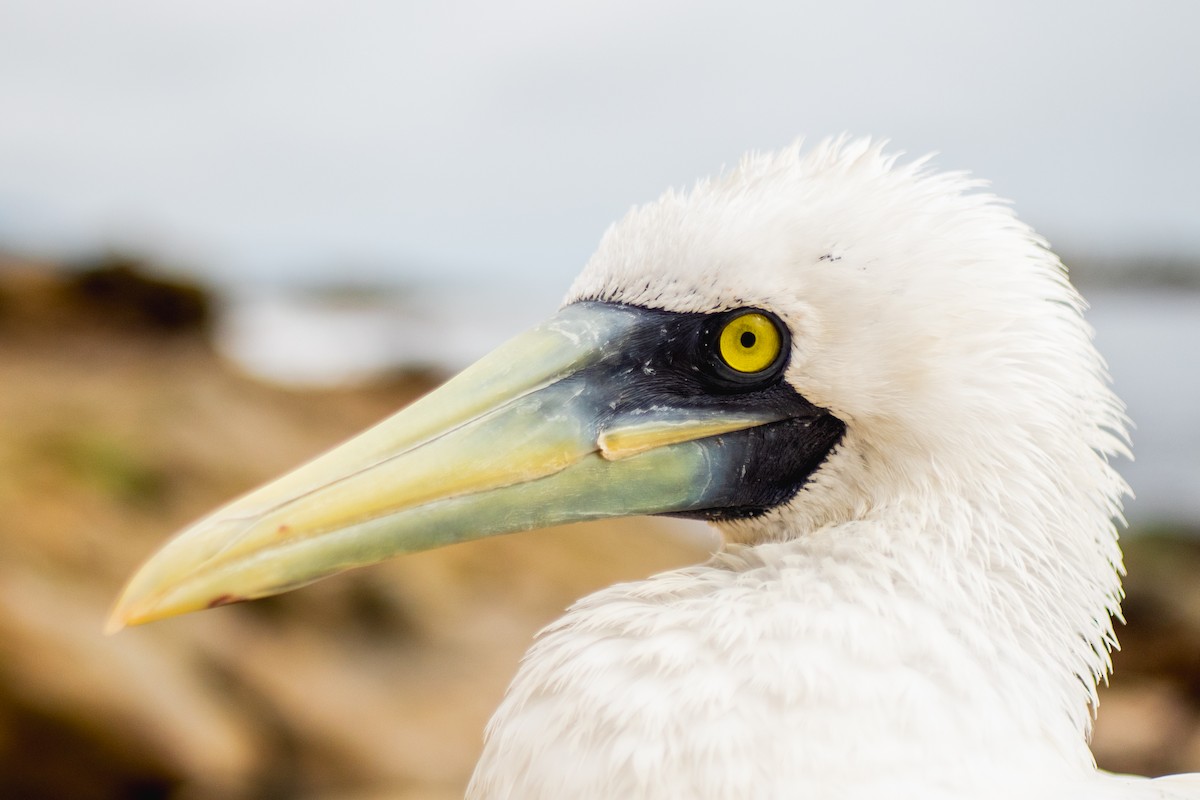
(108, 464)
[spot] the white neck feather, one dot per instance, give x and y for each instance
(934, 608)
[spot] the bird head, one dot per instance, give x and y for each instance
(922, 314)
(796, 342)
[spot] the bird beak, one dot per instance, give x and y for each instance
(544, 430)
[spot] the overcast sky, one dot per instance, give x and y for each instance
(276, 139)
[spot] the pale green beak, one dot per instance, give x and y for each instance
(544, 430)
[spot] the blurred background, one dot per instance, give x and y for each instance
(232, 233)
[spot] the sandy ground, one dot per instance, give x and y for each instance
(116, 428)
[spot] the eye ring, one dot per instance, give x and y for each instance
(747, 347)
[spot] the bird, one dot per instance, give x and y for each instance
(878, 385)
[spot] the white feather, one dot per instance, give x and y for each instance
(930, 615)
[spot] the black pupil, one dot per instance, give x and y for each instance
(747, 340)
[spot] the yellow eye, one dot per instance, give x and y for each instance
(750, 343)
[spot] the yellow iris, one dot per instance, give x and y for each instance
(750, 343)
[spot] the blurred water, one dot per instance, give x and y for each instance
(310, 339)
(1151, 339)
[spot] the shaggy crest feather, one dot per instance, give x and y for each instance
(930, 615)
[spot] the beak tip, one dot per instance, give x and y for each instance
(117, 621)
(132, 609)
(126, 615)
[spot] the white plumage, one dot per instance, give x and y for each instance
(930, 615)
(916, 593)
